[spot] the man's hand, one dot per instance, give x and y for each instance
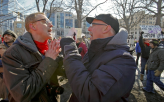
(53, 50)
(157, 73)
(142, 33)
(67, 41)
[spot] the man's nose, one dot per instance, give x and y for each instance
(50, 24)
(89, 29)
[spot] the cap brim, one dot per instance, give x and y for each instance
(90, 19)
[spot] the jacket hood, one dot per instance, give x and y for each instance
(119, 41)
(26, 40)
(120, 38)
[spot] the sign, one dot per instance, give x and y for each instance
(79, 32)
(151, 31)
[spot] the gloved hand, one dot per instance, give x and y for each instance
(142, 33)
(146, 67)
(67, 41)
(157, 73)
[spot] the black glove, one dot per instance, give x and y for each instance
(162, 32)
(67, 41)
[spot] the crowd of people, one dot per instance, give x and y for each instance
(99, 70)
(152, 61)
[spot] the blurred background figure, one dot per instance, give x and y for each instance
(155, 66)
(79, 43)
(8, 38)
(87, 43)
(145, 51)
(138, 52)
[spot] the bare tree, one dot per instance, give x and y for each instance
(154, 7)
(82, 7)
(125, 10)
(49, 5)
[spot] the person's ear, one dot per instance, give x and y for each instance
(107, 29)
(32, 26)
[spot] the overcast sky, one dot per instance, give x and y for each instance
(101, 9)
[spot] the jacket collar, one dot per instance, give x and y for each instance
(6, 44)
(97, 45)
(26, 40)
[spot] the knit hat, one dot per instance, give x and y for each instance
(10, 33)
(154, 42)
(106, 18)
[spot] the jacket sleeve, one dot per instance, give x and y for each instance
(110, 81)
(21, 83)
(136, 48)
(161, 60)
(141, 43)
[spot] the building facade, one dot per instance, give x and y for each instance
(63, 21)
(134, 33)
(9, 13)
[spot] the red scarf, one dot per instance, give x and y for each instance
(147, 44)
(42, 47)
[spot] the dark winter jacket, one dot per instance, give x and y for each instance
(107, 72)
(145, 50)
(156, 59)
(138, 49)
(26, 71)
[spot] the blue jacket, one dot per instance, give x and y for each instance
(106, 73)
(138, 49)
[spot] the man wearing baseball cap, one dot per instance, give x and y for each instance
(9, 37)
(107, 71)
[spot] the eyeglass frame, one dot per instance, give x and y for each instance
(98, 24)
(46, 20)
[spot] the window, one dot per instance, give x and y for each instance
(135, 32)
(19, 25)
(68, 14)
(68, 23)
(60, 20)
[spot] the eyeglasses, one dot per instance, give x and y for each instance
(47, 21)
(98, 24)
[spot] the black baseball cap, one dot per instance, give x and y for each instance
(106, 18)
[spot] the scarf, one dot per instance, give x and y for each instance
(147, 44)
(42, 46)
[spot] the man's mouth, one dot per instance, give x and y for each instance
(49, 30)
(91, 34)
